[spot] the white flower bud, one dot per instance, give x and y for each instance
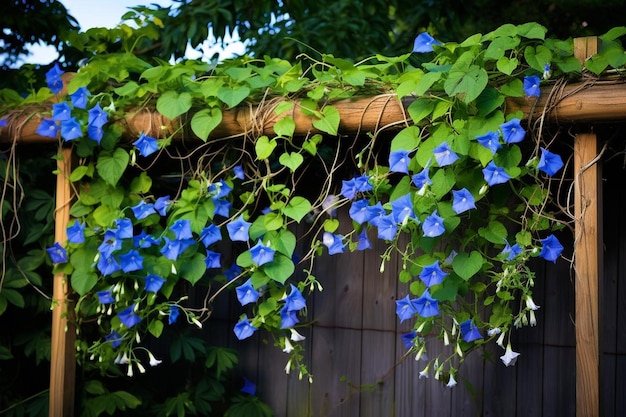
(295, 336)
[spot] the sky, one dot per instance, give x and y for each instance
(108, 13)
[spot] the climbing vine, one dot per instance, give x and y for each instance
(460, 192)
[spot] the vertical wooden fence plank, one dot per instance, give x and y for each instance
(587, 257)
(62, 360)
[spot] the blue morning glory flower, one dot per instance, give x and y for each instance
(53, 79)
(246, 293)
(220, 189)
(233, 272)
(546, 71)
(363, 184)
(426, 306)
(143, 210)
(115, 338)
(128, 316)
(295, 301)
(510, 252)
(424, 43)
(358, 211)
(248, 387)
(174, 313)
(261, 254)
(469, 331)
(124, 228)
(144, 240)
(348, 189)
(288, 318)
(463, 200)
(333, 242)
(61, 111)
(375, 213)
(408, 338)
(550, 163)
(222, 207)
(243, 329)
(57, 253)
(48, 128)
(110, 243)
(405, 308)
(79, 97)
(76, 232)
(433, 225)
(173, 248)
(399, 161)
(444, 155)
(512, 131)
(181, 229)
(387, 227)
(238, 229)
(97, 116)
(161, 204)
(531, 86)
(146, 145)
(213, 259)
(364, 242)
(108, 265)
(3, 122)
(70, 129)
(154, 283)
(95, 133)
(491, 141)
(105, 297)
(238, 172)
(551, 249)
(495, 175)
(432, 274)
(210, 235)
(131, 261)
(421, 178)
(402, 208)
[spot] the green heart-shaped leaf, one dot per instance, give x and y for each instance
(291, 160)
(203, 122)
(264, 147)
(467, 265)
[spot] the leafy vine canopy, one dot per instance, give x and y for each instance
(166, 198)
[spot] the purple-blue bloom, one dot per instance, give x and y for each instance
(238, 229)
(222, 207)
(364, 242)
(510, 252)
(246, 293)
(261, 254)
(550, 163)
(161, 204)
(531, 86)
(551, 249)
(105, 297)
(463, 200)
(348, 188)
(213, 259)
(288, 318)
(469, 331)
(70, 129)
(110, 243)
(333, 242)
(426, 306)
(57, 253)
(154, 283)
(405, 308)
(243, 329)
(115, 338)
(295, 301)
(108, 265)
(433, 225)
(128, 316)
(210, 235)
(432, 274)
(512, 131)
(363, 184)
(408, 338)
(76, 232)
(48, 128)
(232, 272)
(444, 155)
(491, 141)
(174, 313)
(387, 227)
(359, 212)
(146, 145)
(399, 161)
(181, 229)
(124, 228)
(131, 261)
(97, 116)
(173, 248)
(238, 172)
(79, 97)
(61, 111)
(3, 121)
(53, 79)
(376, 212)
(421, 178)
(495, 175)
(220, 189)
(144, 240)
(143, 210)
(95, 133)
(248, 387)
(424, 43)
(402, 208)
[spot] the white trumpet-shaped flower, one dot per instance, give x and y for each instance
(509, 358)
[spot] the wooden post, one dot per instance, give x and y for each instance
(587, 257)
(62, 355)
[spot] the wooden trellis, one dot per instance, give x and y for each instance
(583, 103)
